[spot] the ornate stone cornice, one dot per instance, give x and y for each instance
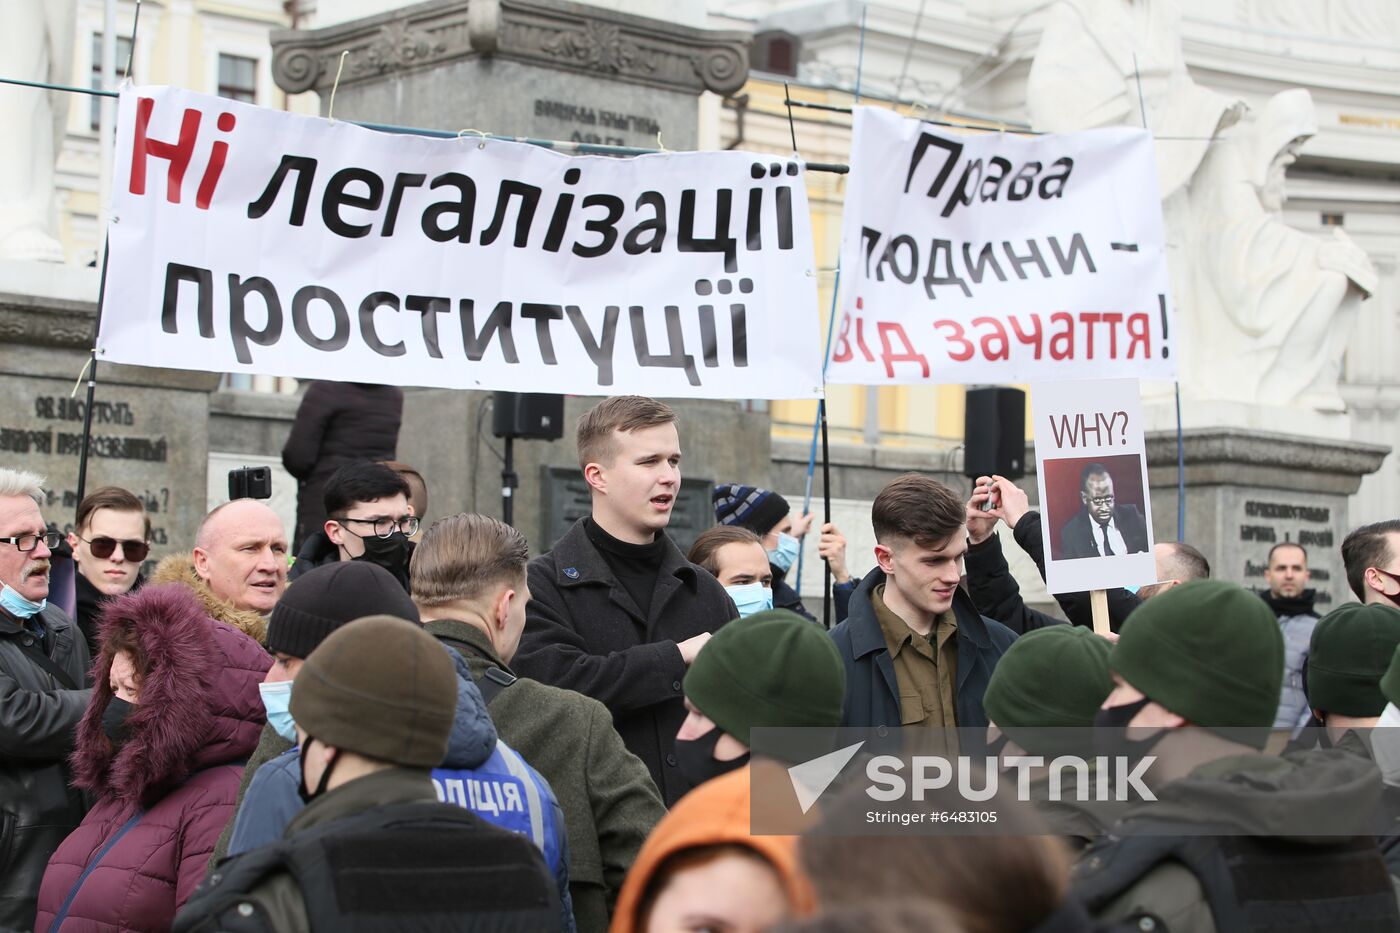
(1233, 446)
(47, 322)
(553, 33)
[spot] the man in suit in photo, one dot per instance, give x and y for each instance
(1102, 528)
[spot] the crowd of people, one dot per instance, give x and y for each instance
(411, 726)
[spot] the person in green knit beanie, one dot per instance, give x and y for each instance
(1050, 678)
(1041, 701)
(1349, 656)
(772, 669)
(1209, 655)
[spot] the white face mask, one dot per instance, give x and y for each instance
(1385, 745)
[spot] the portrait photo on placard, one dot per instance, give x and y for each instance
(1096, 507)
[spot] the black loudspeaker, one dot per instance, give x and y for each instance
(529, 415)
(994, 433)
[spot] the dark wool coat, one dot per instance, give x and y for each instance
(38, 712)
(337, 423)
(583, 632)
(163, 798)
(610, 803)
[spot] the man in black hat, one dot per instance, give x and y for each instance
(319, 602)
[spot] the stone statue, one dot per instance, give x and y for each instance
(1269, 308)
(1265, 310)
(1093, 57)
(36, 44)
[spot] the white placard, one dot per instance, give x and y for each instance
(1091, 466)
(249, 240)
(994, 258)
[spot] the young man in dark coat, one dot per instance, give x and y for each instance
(916, 650)
(370, 519)
(617, 612)
(43, 666)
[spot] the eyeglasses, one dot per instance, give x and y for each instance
(384, 527)
(31, 541)
(102, 548)
(1101, 500)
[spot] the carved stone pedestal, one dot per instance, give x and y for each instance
(547, 69)
(150, 427)
(1248, 490)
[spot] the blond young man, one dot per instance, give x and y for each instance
(617, 612)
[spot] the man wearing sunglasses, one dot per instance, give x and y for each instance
(110, 541)
(43, 663)
(370, 520)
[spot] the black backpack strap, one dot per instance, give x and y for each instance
(492, 681)
(29, 644)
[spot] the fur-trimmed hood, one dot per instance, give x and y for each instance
(179, 568)
(199, 703)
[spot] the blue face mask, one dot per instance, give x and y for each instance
(17, 606)
(786, 555)
(277, 697)
(750, 598)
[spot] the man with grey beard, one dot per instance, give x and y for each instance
(43, 670)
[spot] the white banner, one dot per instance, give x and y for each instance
(1091, 466)
(992, 258)
(249, 240)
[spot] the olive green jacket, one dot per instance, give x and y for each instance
(609, 801)
(1311, 798)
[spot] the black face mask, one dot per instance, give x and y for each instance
(391, 553)
(309, 795)
(1111, 732)
(697, 761)
(114, 724)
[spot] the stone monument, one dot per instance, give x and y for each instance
(1265, 310)
(150, 427)
(547, 69)
(544, 69)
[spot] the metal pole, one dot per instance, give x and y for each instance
(91, 381)
(509, 482)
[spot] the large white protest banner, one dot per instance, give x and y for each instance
(249, 240)
(993, 258)
(1091, 466)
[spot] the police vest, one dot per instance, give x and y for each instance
(1255, 884)
(406, 866)
(506, 792)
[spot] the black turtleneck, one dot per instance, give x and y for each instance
(1300, 605)
(634, 565)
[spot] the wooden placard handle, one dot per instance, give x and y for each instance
(1098, 604)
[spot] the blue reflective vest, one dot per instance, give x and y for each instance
(506, 792)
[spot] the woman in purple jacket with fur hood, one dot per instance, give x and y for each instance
(175, 713)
